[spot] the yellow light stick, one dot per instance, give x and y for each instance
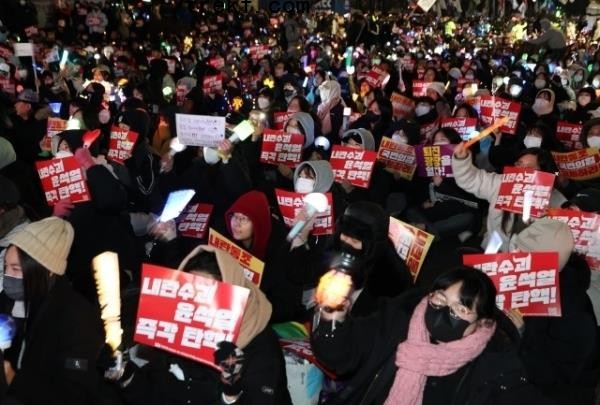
(106, 274)
(334, 287)
(497, 124)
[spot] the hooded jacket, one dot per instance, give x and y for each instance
(323, 174)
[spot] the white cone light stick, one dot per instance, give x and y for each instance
(176, 202)
(313, 203)
(106, 274)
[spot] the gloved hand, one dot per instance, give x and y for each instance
(114, 365)
(84, 157)
(8, 330)
(230, 359)
(63, 208)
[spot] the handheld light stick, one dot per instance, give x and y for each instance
(313, 203)
(497, 124)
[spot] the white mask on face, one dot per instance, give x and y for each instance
(594, 141)
(263, 103)
(532, 141)
(63, 154)
(422, 110)
(211, 156)
(304, 185)
(540, 105)
(400, 137)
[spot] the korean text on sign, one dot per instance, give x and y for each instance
(193, 222)
(252, 266)
(527, 281)
(200, 130)
(411, 243)
(279, 147)
(120, 145)
(568, 133)
(212, 84)
(291, 203)
(280, 118)
(434, 160)
(516, 182)
(54, 127)
(419, 88)
(582, 164)
(186, 314)
(585, 227)
(353, 165)
(493, 107)
(402, 106)
(397, 157)
(62, 179)
(464, 126)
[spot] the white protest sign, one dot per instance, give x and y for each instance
(200, 130)
(23, 49)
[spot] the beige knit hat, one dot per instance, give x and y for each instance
(48, 242)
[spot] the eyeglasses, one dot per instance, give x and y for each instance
(437, 300)
(240, 219)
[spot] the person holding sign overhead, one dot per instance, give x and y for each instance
(486, 186)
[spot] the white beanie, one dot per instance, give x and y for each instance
(48, 242)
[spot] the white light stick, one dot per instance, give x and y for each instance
(106, 274)
(174, 148)
(176, 202)
(64, 59)
(313, 203)
(240, 133)
(527, 200)
(493, 245)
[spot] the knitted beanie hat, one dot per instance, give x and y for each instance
(48, 242)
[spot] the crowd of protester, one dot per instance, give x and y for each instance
(436, 339)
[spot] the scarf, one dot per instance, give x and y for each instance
(417, 358)
(258, 308)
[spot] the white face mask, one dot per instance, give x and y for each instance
(422, 110)
(532, 141)
(515, 91)
(539, 83)
(62, 154)
(304, 185)
(541, 105)
(594, 141)
(211, 156)
(263, 103)
(400, 138)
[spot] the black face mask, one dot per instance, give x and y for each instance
(442, 326)
(358, 272)
(288, 93)
(371, 117)
(13, 288)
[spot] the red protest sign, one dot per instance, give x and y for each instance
(582, 164)
(302, 348)
(180, 93)
(402, 106)
(419, 88)
(527, 281)
(121, 144)
(411, 243)
(493, 107)
(258, 52)
(290, 203)
(464, 126)
(279, 147)
(31, 31)
(516, 181)
(435, 160)
(193, 222)
(353, 165)
(54, 126)
(280, 118)
(568, 133)
(376, 76)
(212, 84)
(397, 157)
(62, 179)
(585, 227)
(217, 62)
(186, 314)
(253, 267)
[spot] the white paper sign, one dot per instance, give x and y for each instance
(425, 4)
(23, 49)
(200, 130)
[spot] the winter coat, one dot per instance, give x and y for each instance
(61, 344)
(486, 186)
(364, 349)
(263, 379)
